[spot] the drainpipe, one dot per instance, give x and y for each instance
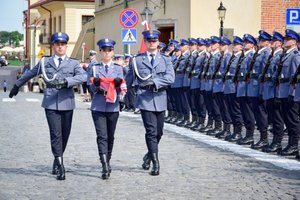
(27, 28)
(50, 23)
(125, 49)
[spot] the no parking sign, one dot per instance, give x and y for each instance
(128, 18)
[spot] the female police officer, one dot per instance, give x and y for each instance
(106, 84)
(154, 73)
(60, 74)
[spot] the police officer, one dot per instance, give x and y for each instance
(248, 116)
(198, 106)
(61, 73)
(254, 89)
(230, 90)
(273, 109)
(105, 110)
(285, 92)
(93, 61)
(218, 87)
(130, 95)
(154, 73)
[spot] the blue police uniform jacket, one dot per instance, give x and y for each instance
(200, 61)
(162, 74)
(218, 85)
(89, 68)
(174, 61)
(254, 88)
(211, 68)
(99, 101)
(268, 86)
(69, 69)
(229, 85)
(188, 68)
(290, 63)
(178, 83)
(242, 86)
(202, 81)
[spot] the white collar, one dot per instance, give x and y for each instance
(288, 51)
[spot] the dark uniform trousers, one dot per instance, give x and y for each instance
(173, 100)
(130, 98)
(222, 104)
(59, 123)
(200, 105)
(153, 123)
(169, 99)
(290, 111)
(194, 100)
(184, 103)
(212, 106)
(274, 110)
(105, 125)
(260, 113)
(178, 94)
(247, 114)
(234, 109)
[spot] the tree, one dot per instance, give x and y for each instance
(13, 38)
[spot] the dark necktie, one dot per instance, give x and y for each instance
(152, 58)
(59, 61)
(106, 69)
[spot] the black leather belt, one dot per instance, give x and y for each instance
(241, 78)
(218, 76)
(153, 88)
(208, 77)
(101, 91)
(195, 74)
(254, 76)
(228, 77)
(284, 80)
(179, 72)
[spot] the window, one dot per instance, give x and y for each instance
(101, 2)
(86, 19)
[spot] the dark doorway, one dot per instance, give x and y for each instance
(167, 33)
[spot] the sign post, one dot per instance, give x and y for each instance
(293, 19)
(128, 19)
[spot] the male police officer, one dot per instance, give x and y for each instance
(154, 73)
(60, 74)
(93, 61)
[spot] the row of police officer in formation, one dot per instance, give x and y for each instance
(256, 84)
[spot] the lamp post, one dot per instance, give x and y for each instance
(221, 12)
(146, 14)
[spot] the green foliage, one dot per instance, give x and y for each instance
(13, 38)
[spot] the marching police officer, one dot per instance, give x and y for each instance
(290, 109)
(61, 73)
(254, 91)
(93, 61)
(154, 73)
(106, 84)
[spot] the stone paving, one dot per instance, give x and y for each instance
(189, 169)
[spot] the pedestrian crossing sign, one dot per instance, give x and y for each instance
(129, 36)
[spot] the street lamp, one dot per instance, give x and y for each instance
(146, 13)
(221, 13)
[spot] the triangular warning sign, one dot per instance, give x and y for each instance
(129, 37)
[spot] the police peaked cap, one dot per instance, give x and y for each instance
(59, 37)
(184, 42)
(215, 39)
(292, 34)
(201, 41)
(192, 41)
(237, 40)
(263, 35)
(161, 45)
(103, 43)
(128, 56)
(116, 56)
(151, 34)
(225, 40)
(208, 41)
(171, 41)
(176, 47)
(277, 36)
(249, 38)
(92, 52)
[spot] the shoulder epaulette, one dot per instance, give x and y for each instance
(117, 64)
(164, 55)
(296, 51)
(140, 54)
(73, 58)
(46, 56)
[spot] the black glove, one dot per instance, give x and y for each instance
(14, 91)
(290, 100)
(117, 82)
(60, 83)
(147, 85)
(97, 81)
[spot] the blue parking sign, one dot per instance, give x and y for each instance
(293, 16)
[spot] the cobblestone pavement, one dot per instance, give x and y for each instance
(190, 169)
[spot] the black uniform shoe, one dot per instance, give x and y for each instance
(61, 169)
(234, 137)
(208, 127)
(275, 146)
(261, 144)
(290, 150)
(147, 161)
(105, 170)
(246, 141)
(108, 162)
(155, 162)
(54, 167)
